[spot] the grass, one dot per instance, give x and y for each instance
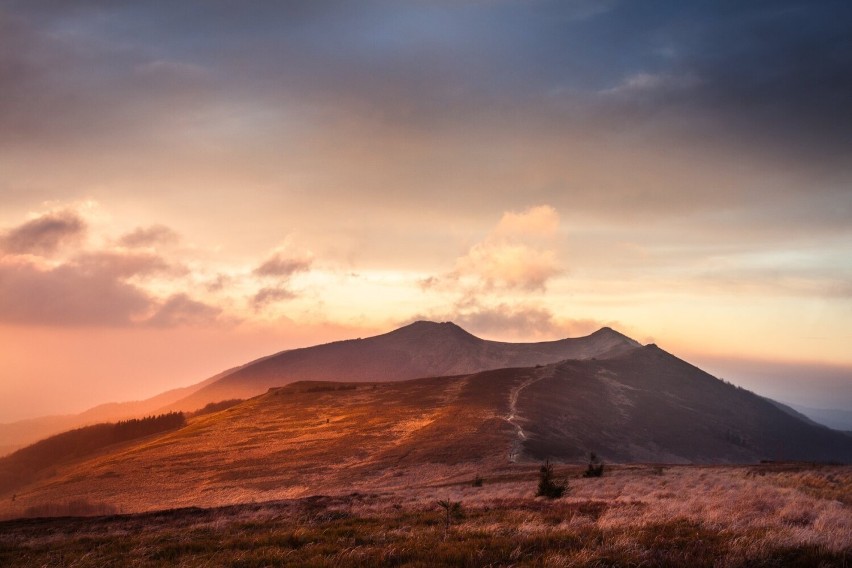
(633, 516)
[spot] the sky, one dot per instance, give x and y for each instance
(185, 186)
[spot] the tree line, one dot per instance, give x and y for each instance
(21, 466)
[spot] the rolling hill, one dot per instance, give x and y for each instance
(312, 437)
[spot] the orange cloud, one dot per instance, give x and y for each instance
(516, 255)
(541, 220)
(508, 265)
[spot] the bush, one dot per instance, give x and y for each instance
(477, 481)
(596, 467)
(546, 486)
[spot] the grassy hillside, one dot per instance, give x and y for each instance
(681, 516)
(333, 438)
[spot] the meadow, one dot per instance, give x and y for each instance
(638, 515)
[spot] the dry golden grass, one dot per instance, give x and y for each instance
(289, 443)
(633, 516)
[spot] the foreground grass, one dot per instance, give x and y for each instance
(635, 517)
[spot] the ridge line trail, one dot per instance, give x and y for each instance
(512, 417)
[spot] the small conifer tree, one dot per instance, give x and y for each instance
(546, 486)
(452, 510)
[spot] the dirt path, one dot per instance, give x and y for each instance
(513, 419)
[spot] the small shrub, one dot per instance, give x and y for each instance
(452, 510)
(596, 467)
(546, 486)
(477, 481)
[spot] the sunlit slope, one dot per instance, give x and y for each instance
(302, 439)
(422, 349)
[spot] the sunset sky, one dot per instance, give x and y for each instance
(185, 186)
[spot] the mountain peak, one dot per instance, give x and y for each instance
(607, 331)
(426, 327)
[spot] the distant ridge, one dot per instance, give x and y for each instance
(419, 349)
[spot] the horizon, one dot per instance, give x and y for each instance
(187, 188)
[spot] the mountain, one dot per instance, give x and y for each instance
(418, 350)
(320, 437)
(421, 349)
(648, 405)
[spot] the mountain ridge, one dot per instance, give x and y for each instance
(419, 349)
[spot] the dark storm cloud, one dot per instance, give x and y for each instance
(44, 234)
(760, 80)
(775, 68)
(773, 72)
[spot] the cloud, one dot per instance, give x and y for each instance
(44, 234)
(271, 295)
(651, 84)
(514, 256)
(92, 289)
(509, 265)
(516, 321)
(181, 310)
(126, 265)
(149, 236)
(219, 282)
(507, 320)
(279, 265)
(541, 220)
(68, 295)
(279, 268)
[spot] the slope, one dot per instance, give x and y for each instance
(648, 405)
